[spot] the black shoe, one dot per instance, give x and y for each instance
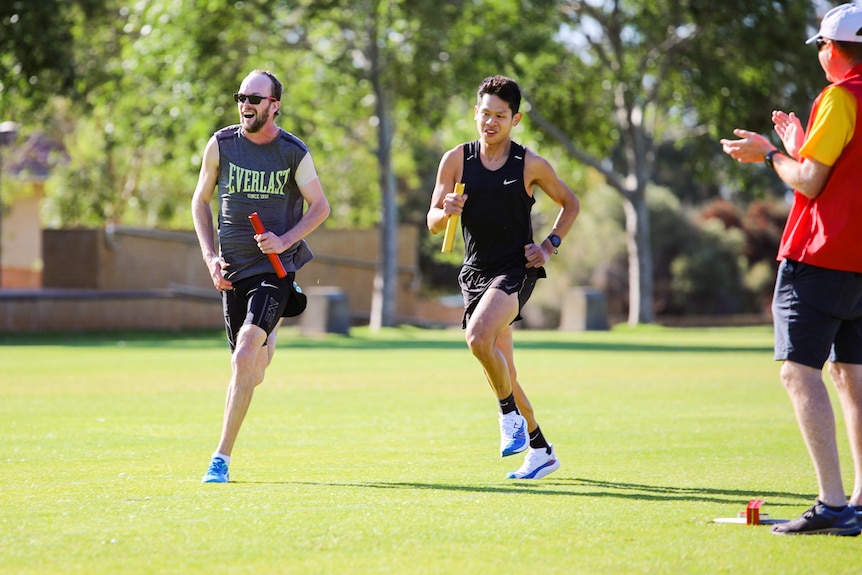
(820, 520)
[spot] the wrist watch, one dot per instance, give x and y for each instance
(768, 158)
(555, 241)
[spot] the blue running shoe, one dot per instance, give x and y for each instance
(513, 434)
(538, 463)
(217, 473)
(820, 520)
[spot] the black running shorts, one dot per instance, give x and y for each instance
(817, 313)
(258, 300)
(474, 284)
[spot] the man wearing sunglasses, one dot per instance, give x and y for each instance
(817, 307)
(256, 167)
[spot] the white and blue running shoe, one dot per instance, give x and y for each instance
(538, 463)
(513, 434)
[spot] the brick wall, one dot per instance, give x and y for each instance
(130, 277)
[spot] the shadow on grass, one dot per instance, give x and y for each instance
(579, 487)
(659, 492)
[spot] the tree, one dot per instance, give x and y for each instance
(137, 88)
(398, 52)
(153, 81)
(631, 75)
(37, 49)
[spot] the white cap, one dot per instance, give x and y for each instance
(842, 23)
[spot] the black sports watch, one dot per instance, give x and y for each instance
(768, 158)
(555, 241)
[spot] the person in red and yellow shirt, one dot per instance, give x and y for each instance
(817, 306)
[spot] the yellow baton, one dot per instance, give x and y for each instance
(452, 224)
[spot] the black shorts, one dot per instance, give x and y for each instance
(817, 313)
(474, 284)
(258, 300)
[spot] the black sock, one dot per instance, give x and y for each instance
(538, 441)
(508, 405)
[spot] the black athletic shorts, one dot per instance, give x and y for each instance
(474, 284)
(817, 313)
(257, 300)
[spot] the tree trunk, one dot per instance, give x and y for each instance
(632, 188)
(640, 258)
(384, 297)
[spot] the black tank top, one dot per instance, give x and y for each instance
(496, 218)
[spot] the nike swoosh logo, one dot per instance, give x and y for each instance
(507, 182)
(264, 284)
(511, 287)
(519, 157)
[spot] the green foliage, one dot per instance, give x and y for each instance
(689, 249)
(763, 224)
(671, 230)
(36, 50)
(134, 90)
(88, 169)
(750, 58)
(679, 69)
(622, 79)
(708, 275)
(596, 246)
(760, 280)
(158, 75)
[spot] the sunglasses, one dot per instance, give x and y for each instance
(821, 42)
(254, 99)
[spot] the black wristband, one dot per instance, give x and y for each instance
(768, 158)
(555, 241)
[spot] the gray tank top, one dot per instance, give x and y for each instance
(258, 178)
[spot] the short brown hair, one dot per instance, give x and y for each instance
(276, 84)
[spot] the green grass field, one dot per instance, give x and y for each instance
(377, 453)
